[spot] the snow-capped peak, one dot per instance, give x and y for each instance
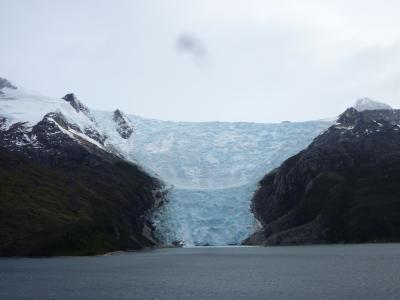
(30, 108)
(111, 131)
(75, 103)
(369, 104)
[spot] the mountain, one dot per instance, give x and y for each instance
(368, 104)
(344, 187)
(100, 177)
(62, 190)
(211, 169)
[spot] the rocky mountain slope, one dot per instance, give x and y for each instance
(344, 187)
(62, 191)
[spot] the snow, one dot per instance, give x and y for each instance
(212, 168)
(25, 106)
(19, 105)
(114, 142)
(84, 136)
(368, 104)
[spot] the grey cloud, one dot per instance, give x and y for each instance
(190, 44)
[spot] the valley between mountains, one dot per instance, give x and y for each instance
(78, 181)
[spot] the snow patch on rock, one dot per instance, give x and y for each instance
(368, 104)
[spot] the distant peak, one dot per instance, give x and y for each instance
(4, 83)
(119, 116)
(75, 103)
(118, 113)
(372, 119)
(70, 97)
(369, 104)
(349, 116)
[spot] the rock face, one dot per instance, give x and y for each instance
(343, 188)
(75, 103)
(124, 127)
(62, 192)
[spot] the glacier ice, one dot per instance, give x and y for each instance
(212, 167)
(206, 217)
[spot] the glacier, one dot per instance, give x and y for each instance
(205, 216)
(211, 168)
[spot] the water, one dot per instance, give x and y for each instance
(306, 272)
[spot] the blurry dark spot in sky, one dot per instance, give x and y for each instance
(190, 44)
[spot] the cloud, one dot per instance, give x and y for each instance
(261, 60)
(191, 45)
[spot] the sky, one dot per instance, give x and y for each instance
(206, 60)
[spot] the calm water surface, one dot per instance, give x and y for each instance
(308, 272)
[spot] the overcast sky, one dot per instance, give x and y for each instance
(189, 60)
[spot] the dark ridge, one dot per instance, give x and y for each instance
(75, 103)
(124, 128)
(343, 188)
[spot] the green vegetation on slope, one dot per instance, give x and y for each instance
(75, 210)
